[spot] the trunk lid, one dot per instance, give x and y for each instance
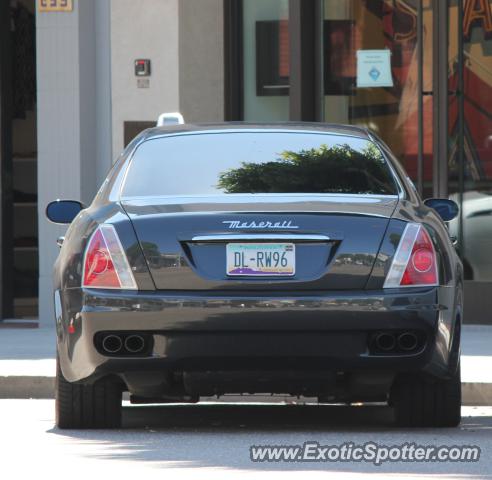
(336, 238)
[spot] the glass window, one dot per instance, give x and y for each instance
(476, 209)
(258, 162)
(266, 60)
(354, 27)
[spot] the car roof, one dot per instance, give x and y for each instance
(335, 129)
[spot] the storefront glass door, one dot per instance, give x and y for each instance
(371, 74)
(416, 72)
(266, 60)
(470, 147)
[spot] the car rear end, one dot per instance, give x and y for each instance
(260, 261)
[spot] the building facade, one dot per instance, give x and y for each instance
(79, 78)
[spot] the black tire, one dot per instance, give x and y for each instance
(427, 402)
(87, 406)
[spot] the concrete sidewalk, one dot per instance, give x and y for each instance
(27, 363)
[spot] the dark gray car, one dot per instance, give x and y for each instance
(234, 258)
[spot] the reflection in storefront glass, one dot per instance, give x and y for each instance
(352, 26)
(476, 240)
(477, 234)
(266, 60)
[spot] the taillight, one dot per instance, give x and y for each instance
(415, 260)
(105, 262)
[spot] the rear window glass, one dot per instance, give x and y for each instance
(253, 162)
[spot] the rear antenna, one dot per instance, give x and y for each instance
(174, 118)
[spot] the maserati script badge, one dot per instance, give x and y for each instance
(238, 224)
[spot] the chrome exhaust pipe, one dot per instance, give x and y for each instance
(134, 343)
(385, 341)
(112, 344)
(408, 341)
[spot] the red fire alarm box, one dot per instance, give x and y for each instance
(142, 67)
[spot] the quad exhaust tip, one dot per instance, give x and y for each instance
(112, 343)
(408, 341)
(385, 342)
(134, 343)
(116, 343)
(396, 342)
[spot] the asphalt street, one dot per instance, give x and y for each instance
(213, 441)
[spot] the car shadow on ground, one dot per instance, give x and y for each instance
(220, 436)
(254, 417)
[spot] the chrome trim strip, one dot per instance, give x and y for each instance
(402, 256)
(261, 236)
(122, 179)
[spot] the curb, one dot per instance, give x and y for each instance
(27, 387)
(476, 394)
(37, 387)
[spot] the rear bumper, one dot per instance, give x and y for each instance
(198, 332)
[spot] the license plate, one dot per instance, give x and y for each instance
(261, 259)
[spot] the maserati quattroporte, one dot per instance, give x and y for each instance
(293, 259)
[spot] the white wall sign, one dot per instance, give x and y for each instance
(374, 68)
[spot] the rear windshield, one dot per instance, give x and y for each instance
(253, 162)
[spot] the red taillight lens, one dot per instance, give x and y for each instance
(105, 262)
(100, 262)
(415, 260)
(422, 260)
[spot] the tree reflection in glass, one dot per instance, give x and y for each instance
(336, 169)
